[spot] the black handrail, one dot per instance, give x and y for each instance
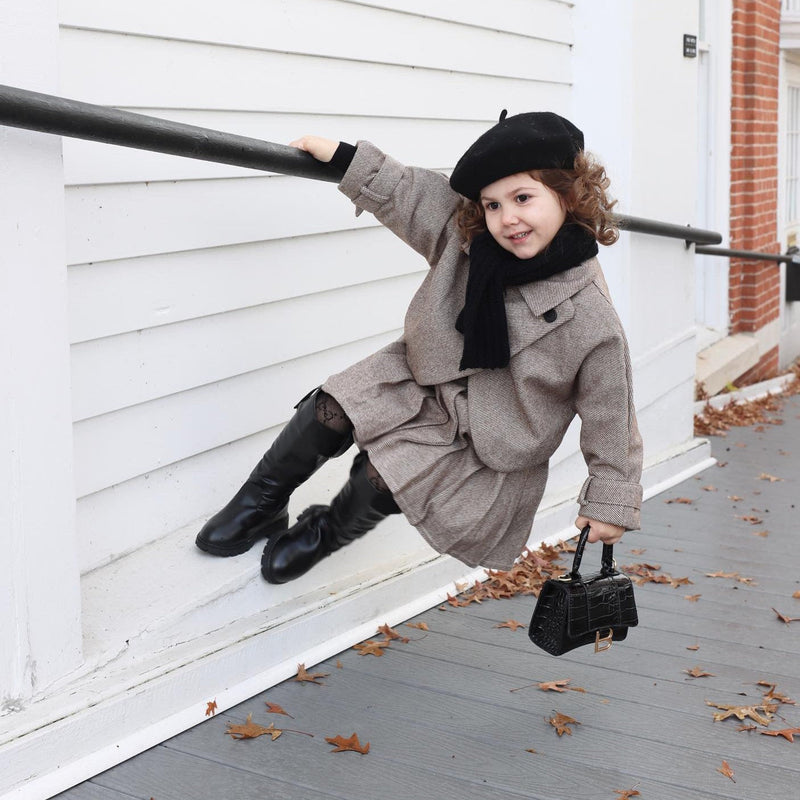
(20, 108)
(750, 255)
(46, 113)
(669, 229)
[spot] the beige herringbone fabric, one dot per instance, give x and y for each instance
(465, 453)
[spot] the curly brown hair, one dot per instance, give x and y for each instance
(583, 190)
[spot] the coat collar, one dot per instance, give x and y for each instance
(541, 296)
(524, 312)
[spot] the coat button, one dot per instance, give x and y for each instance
(551, 315)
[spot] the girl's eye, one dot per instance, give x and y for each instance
(521, 198)
(492, 206)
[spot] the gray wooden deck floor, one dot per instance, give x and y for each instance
(442, 721)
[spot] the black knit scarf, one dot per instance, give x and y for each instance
(482, 320)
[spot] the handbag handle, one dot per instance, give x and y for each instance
(607, 563)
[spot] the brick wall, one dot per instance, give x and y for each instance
(755, 286)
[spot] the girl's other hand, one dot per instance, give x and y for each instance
(601, 531)
(321, 149)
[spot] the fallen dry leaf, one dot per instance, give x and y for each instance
(784, 618)
(750, 518)
(787, 733)
(648, 573)
(754, 712)
(638, 551)
(771, 478)
(388, 632)
(747, 728)
(692, 598)
(370, 648)
(211, 708)
(559, 686)
(531, 750)
(250, 730)
(762, 534)
(709, 488)
(698, 672)
(626, 794)
(735, 498)
(274, 708)
(454, 601)
(717, 421)
(693, 647)
(527, 575)
(339, 665)
(726, 770)
(735, 575)
(561, 723)
(351, 743)
(796, 595)
(420, 625)
(684, 500)
(510, 623)
(772, 693)
(309, 677)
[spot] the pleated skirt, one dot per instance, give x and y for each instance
(418, 438)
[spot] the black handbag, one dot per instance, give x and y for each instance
(572, 611)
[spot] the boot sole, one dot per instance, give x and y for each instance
(279, 525)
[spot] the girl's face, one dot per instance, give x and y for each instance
(522, 214)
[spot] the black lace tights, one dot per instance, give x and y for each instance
(333, 416)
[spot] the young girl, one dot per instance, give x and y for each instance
(510, 335)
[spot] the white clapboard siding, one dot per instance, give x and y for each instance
(133, 71)
(132, 368)
(549, 19)
(433, 144)
(132, 294)
(112, 221)
(337, 30)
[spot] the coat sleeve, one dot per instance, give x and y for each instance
(610, 439)
(416, 204)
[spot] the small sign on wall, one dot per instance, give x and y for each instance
(689, 45)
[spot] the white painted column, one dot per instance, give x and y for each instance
(602, 102)
(39, 582)
(635, 98)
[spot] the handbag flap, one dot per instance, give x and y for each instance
(600, 602)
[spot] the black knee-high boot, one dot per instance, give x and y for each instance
(259, 508)
(320, 530)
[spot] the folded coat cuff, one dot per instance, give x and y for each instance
(367, 188)
(614, 502)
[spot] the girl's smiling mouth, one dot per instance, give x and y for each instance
(518, 237)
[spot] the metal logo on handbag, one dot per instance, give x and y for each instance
(572, 611)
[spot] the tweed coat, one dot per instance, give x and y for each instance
(465, 452)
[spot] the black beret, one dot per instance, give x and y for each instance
(536, 140)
